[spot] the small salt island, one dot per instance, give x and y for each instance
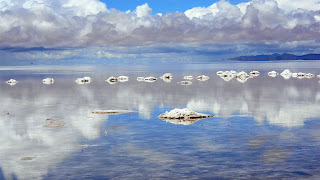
(123, 78)
(184, 113)
(12, 82)
(48, 81)
(167, 77)
(182, 116)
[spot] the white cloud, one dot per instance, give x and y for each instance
(291, 5)
(199, 12)
(143, 10)
(6, 4)
(51, 24)
(85, 7)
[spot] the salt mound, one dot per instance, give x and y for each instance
(183, 114)
(112, 80)
(123, 78)
(48, 81)
(286, 74)
(167, 77)
(203, 78)
(84, 80)
(273, 73)
(188, 77)
(12, 82)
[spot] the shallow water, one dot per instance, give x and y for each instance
(263, 128)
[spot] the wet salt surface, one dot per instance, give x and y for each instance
(263, 128)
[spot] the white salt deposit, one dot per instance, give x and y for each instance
(123, 78)
(150, 79)
(294, 75)
(112, 80)
(48, 81)
(203, 78)
(227, 75)
(183, 114)
(167, 77)
(12, 82)
(219, 73)
(188, 77)
(309, 75)
(273, 73)
(84, 80)
(233, 72)
(286, 74)
(140, 79)
(254, 73)
(242, 77)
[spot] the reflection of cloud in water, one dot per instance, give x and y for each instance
(287, 105)
(22, 134)
(273, 155)
(257, 142)
(148, 154)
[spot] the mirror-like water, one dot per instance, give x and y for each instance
(263, 128)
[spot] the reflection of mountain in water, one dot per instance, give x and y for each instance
(284, 103)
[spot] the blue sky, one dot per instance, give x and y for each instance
(162, 6)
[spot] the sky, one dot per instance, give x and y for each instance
(143, 30)
(164, 5)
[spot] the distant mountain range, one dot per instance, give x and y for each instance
(275, 57)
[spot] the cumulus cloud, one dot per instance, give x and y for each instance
(60, 24)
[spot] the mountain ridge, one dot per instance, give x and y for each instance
(274, 57)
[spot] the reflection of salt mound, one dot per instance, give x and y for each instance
(167, 77)
(48, 81)
(203, 78)
(183, 116)
(242, 77)
(84, 80)
(188, 77)
(186, 83)
(123, 78)
(182, 121)
(272, 74)
(112, 80)
(286, 74)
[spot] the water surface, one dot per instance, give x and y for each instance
(263, 128)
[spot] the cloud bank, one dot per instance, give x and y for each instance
(84, 23)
